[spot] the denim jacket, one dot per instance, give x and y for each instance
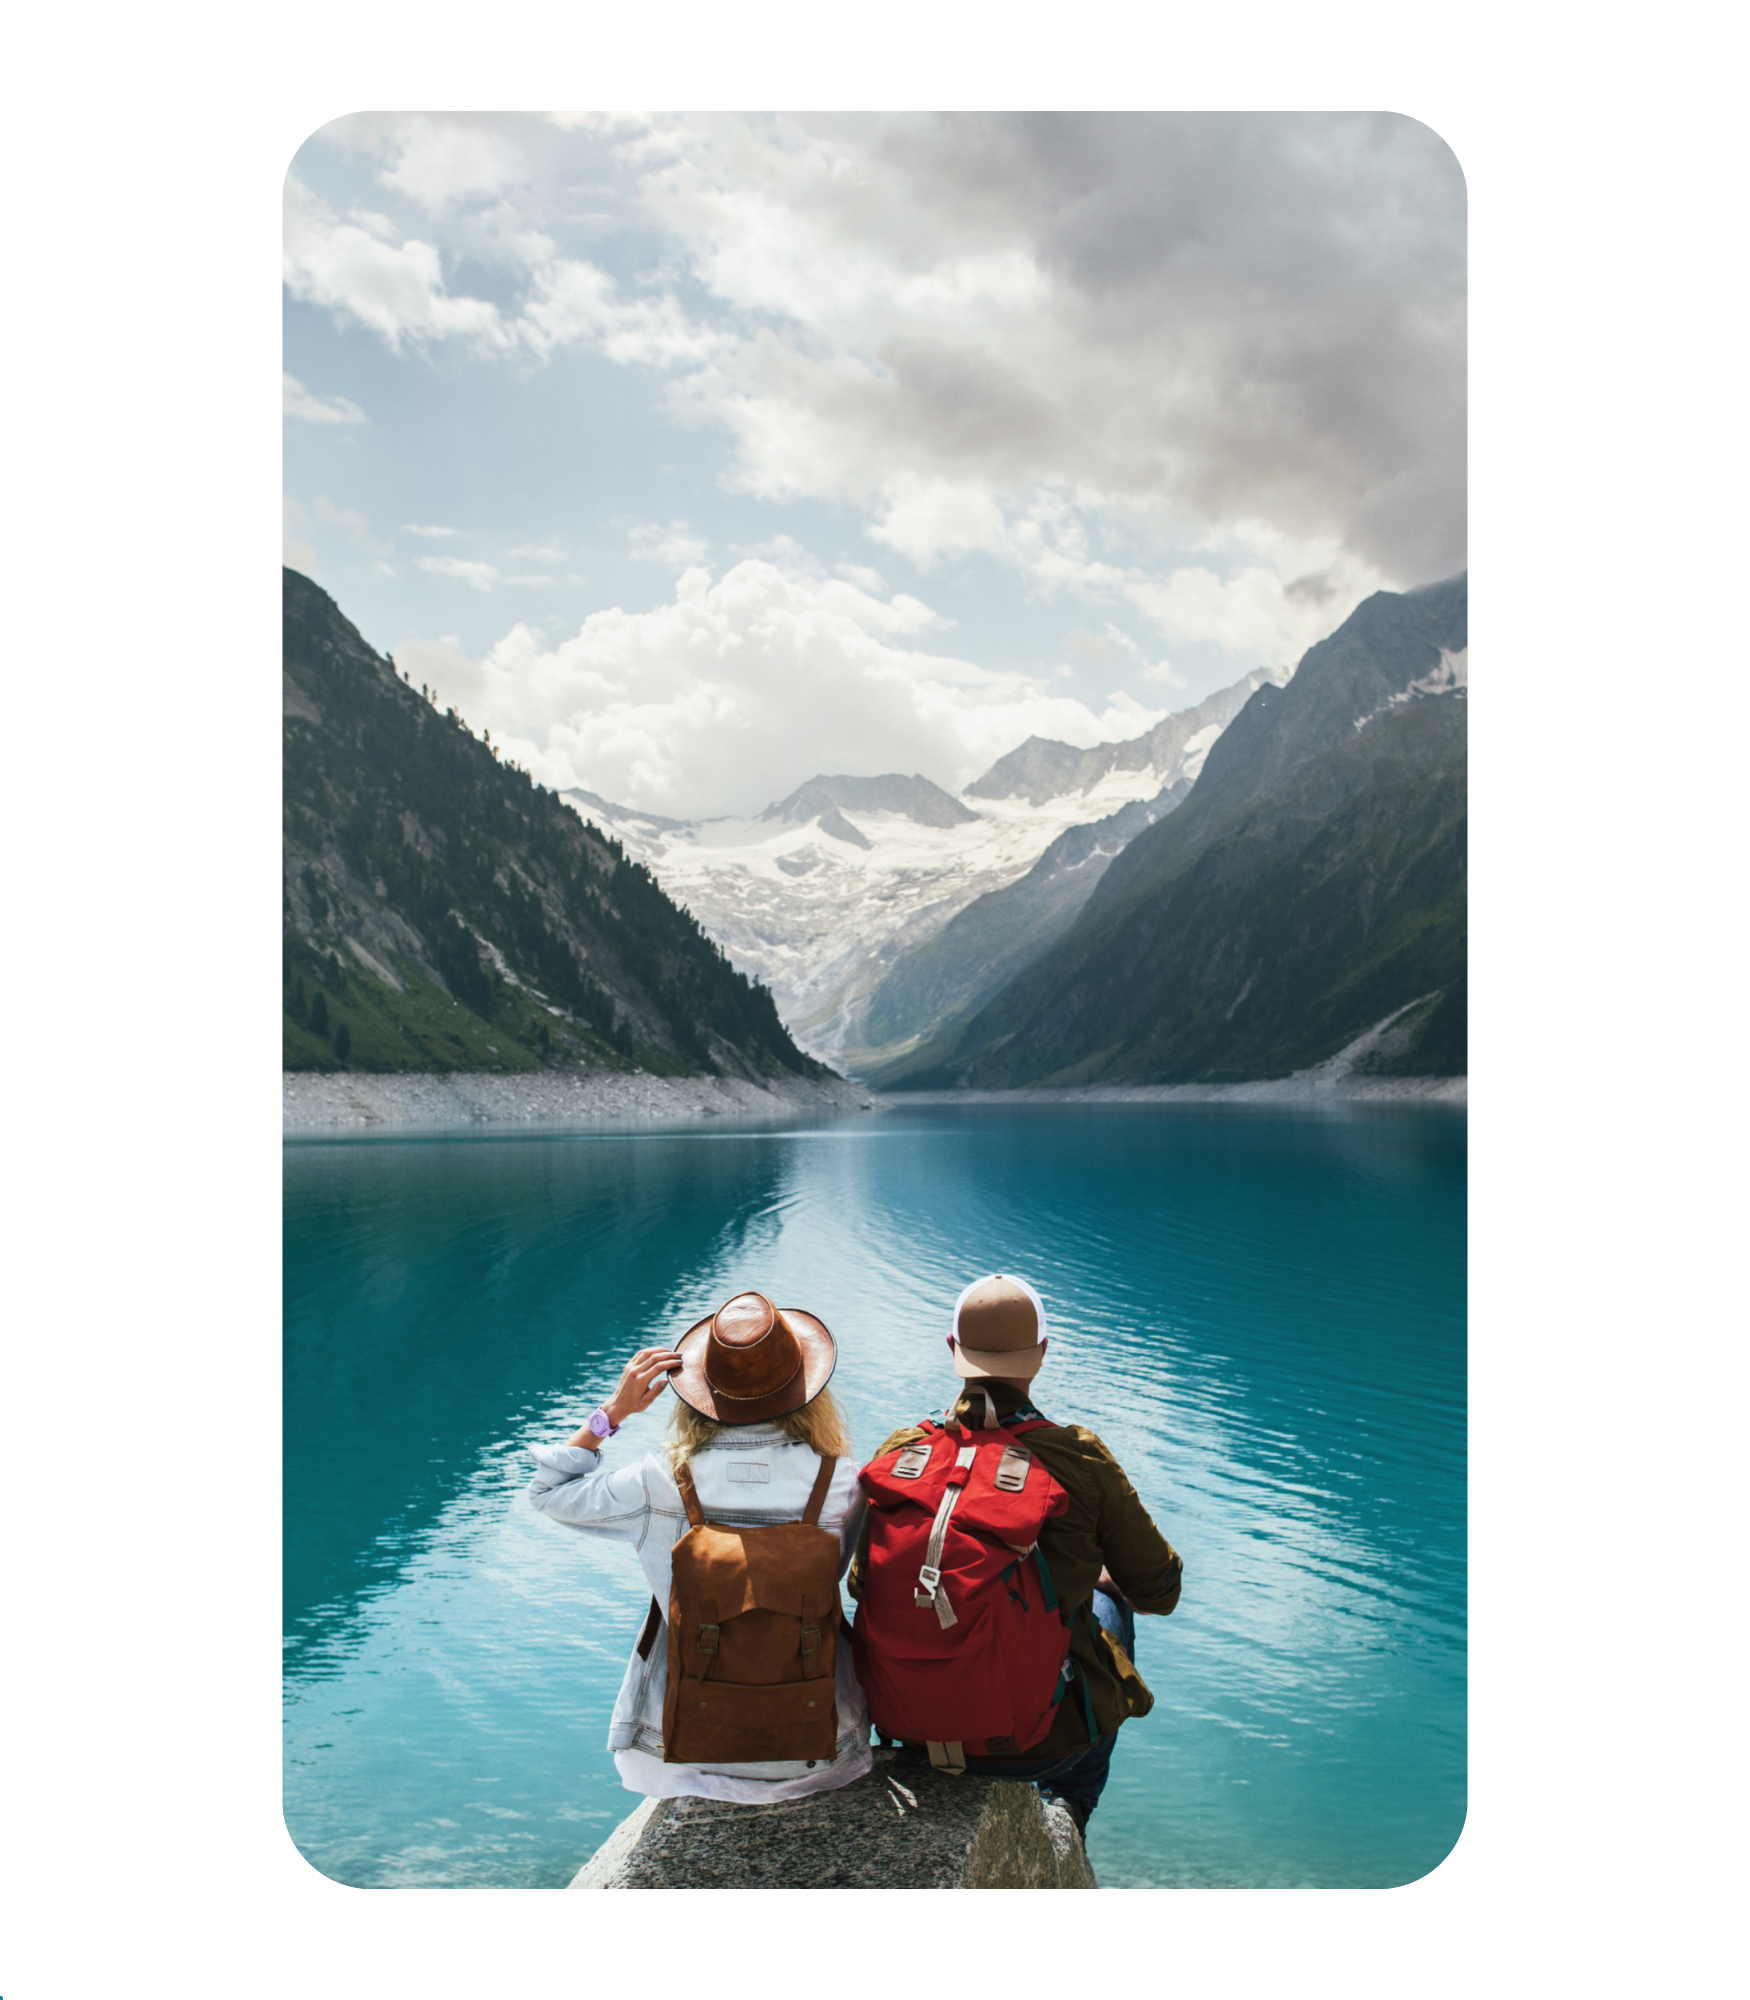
(749, 1476)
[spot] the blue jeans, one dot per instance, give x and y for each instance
(1080, 1778)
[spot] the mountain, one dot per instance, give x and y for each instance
(983, 946)
(1042, 769)
(826, 892)
(1312, 884)
(978, 950)
(913, 798)
(443, 912)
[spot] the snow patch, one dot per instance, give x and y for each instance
(1451, 676)
(1196, 749)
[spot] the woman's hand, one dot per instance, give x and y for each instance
(640, 1386)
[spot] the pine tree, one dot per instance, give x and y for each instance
(343, 1041)
(319, 1013)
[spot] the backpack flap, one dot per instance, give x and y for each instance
(752, 1639)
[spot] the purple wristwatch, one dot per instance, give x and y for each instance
(600, 1425)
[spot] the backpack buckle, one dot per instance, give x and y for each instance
(708, 1638)
(811, 1638)
(933, 1597)
(1013, 1468)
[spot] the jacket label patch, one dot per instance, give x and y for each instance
(750, 1473)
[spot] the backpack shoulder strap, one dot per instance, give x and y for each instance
(817, 1499)
(683, 1478)
(652, 1625)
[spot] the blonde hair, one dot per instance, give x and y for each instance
(820, 1425)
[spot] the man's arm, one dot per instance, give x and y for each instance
(1138, 1557)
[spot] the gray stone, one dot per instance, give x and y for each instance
(902, 1827)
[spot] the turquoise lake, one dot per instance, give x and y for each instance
(1262, 1312)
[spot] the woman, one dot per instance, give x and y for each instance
(752, 1425)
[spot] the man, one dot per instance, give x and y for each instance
(1107, 1558)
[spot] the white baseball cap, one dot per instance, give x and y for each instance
(999, 1329)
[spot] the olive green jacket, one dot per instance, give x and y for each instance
(1106, 1526)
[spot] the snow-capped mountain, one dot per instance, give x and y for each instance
(822, 893)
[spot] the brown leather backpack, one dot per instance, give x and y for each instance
(753, 1623)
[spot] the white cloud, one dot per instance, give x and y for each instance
(1074, 344)
(1231, 314)
(438, 162)
(674, 544)
(1252, 613)
(573, 304)
(929, 518)
(361, 269)
(1242, 614)
(738, 690)
(1213, 314)
(1134, 712)
(433, 533)
(482, 575)
(396, 290)
(309, 408)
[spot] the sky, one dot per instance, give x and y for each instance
(694, 455)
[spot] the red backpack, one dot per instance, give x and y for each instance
(960, 1642)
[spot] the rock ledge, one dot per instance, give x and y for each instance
(902, 1827)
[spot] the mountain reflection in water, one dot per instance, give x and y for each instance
(1261, 1312)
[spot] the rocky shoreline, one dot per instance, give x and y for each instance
(350, 1100)
(1299, 1089)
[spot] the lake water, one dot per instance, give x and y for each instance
(1261, 1312)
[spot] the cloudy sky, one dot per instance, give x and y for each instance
(695, 455)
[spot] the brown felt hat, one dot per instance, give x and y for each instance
(750, 1362)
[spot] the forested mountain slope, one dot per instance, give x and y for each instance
(442, 911)
(1313, 883)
